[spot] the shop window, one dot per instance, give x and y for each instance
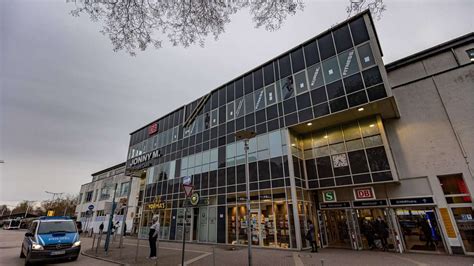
(348, 63)
(372, 76)
(331, 70)
(359, 31)
(365, 56)
(300, 82)
(311, 53)
(326, 46)
(454, 188)
(342, 38)
(297, 60)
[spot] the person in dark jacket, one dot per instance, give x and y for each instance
(153, 236)
(381, 228)
(101, 228)
(369, 233)
(311, 236)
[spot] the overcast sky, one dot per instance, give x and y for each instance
(68, 102)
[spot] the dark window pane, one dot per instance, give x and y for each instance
(311, 53)
(303, 101)
(213, 179)
(376, 92)
(297, 60)
(248, 84)
(313, 184)
(239, 88)
(261, 128)
(278, 183)
(326, 46)
(230, 92)
(311, 169)
(383, 176)
(319, 95)
(289, 105)
(377, 159)
(320, 110)
(358, 162)
(324, 167)
(257, 79)
(342, 38)
(239, 124)
(296, 167)
(357, 98)
(268, 74)
(291, 119)
(365, 178)
(276, 167)
(273, 124)
(241, 174)
(230, 175)
(222, 97)
(221, 175)
(263, 170)
(249, 120)
(353, 83)
(359, 31)
(222, 114)
(345, 180)
(264, 185)
(272, 112)
(305, 115)
(372, 77)
(338, 104)
(253, 173)
(285, 67)
(335, 89)
(327, 182)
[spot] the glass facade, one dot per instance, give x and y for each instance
(331, 73)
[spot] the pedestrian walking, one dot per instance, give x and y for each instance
(311, 236)
(381, 228)
(369, 233)
(101, 228)
(153, 236)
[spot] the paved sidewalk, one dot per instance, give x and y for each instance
(208, 255)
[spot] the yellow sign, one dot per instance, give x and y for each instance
(50, 213)
(447, 222)
(157, 204)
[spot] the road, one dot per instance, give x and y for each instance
(10, 243)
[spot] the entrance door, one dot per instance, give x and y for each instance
(419, 229)
(337, 231)
(367, 220)
(212, 229)
(203, 224)
(465, 222)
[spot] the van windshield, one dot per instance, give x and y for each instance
(57, 227)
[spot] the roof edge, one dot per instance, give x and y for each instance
(109, 169)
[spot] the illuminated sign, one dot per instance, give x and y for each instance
(364, 193)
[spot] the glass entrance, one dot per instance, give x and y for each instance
(420, 230)
(337, 231)
(375, 229)
(465, 222)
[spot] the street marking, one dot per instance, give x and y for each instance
(195, 259)
(408, 259)
(297, 259)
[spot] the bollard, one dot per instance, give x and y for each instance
(322, 262)
(213, 256)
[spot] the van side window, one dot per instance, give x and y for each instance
(33, 226)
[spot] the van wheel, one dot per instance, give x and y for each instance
(22, 255)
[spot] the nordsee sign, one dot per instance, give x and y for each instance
(145, 157)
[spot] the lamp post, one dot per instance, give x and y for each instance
(246, 135)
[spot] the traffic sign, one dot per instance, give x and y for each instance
(91, 207)
(188, 190)
(329, 196)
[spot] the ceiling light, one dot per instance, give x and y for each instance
(360, 109)
(326, 136)
(293, 145)
(309, 124)
(372, 125)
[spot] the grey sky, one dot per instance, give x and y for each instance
(68, 102)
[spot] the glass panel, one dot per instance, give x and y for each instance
(214, 153)
(249, 107)
(230, 111)
(270, 95)
(465, 222)
(287, 88)
(321, 151)
(198, 159)
(369, 127)
(262, 142)
(230, 153)
(365, 56)
(239, 107)
(315, 76)
(205, 157)
(275, 144)
(354, 145)
(453, 184)
(331, 70)
(373, 141)
(351, 131)
(300, 82)
(259, 99)
(335, 135)
(348, 63)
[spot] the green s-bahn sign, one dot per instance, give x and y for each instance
(329, 196)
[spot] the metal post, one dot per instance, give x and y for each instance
(141, 219)
(249, 230)
(111, 221)
(125, 213)
(184, 235)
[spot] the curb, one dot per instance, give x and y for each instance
(103, 259)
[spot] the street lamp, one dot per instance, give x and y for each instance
(246, 135)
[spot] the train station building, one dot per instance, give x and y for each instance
(341, 139)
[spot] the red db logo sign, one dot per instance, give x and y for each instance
(364, 193)
(153, 128)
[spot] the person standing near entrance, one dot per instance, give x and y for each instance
(381, 228)
(311, 236)
(101, 228)
(153, 236)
